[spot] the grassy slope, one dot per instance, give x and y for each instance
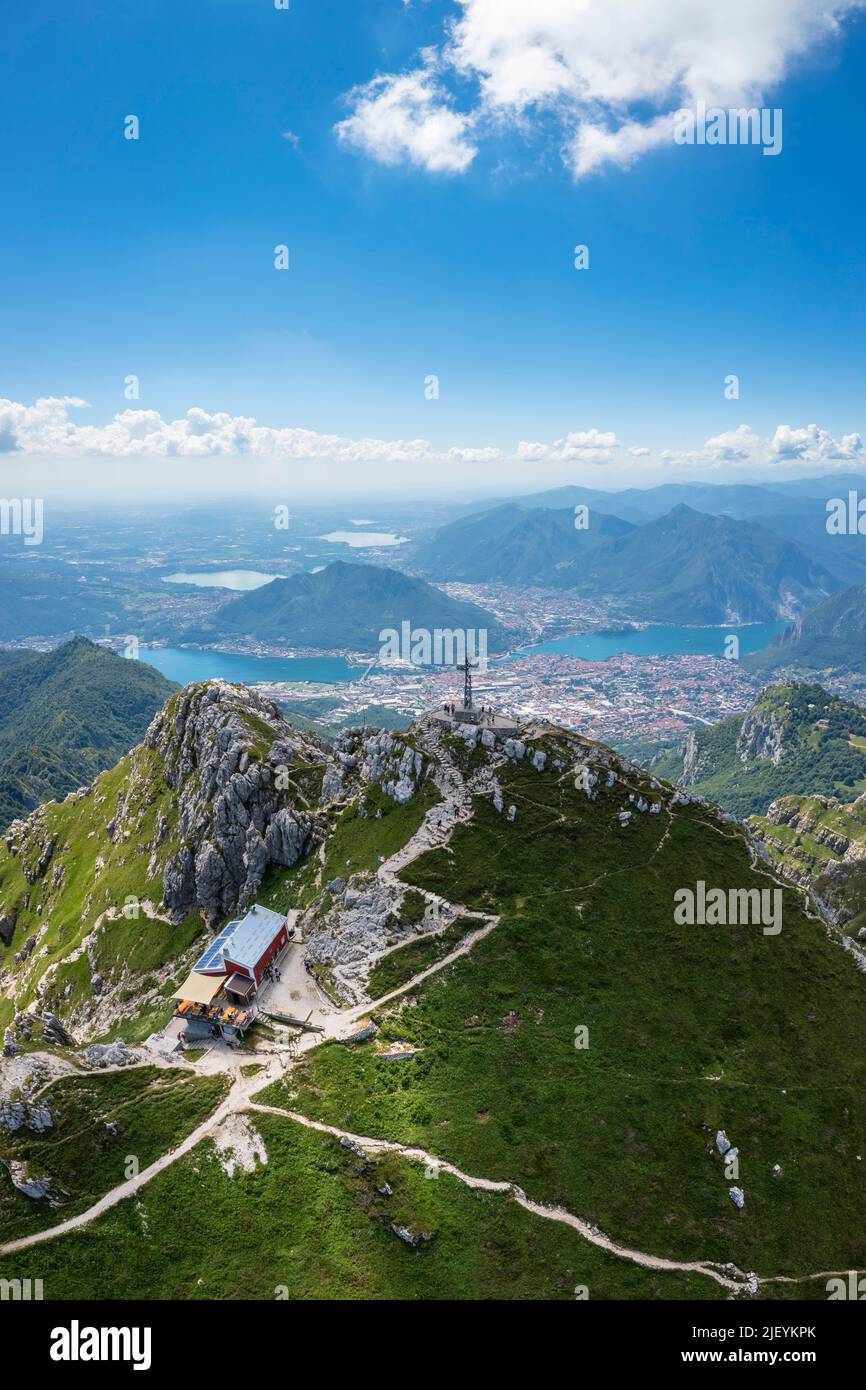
(153, 1110)
(828, 760)
(70, 908)
(310, 1221)
(127, 950)
(354, 845)
(622, 1133)
(67, 715)
(394, 969)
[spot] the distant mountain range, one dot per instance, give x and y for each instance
(794, 510)
(519, 545)
(685, 566)
(65, 716)
(748, 501)
(343, 606)
(794, 738)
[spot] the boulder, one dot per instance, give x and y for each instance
(115, 1054)
(412, 1238)
(19, 1114)
(37, 1189)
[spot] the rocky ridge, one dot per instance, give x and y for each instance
(235, 818)
(353, 923)
(222, 791)
(819, 843)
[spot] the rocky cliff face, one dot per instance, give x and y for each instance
(819, 843)
(222, 791)
(247, 786)
(694, 760)
(246, 804)
(761, 737)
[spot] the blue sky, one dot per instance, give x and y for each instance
(155, 257)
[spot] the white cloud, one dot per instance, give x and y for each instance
(743, 448)
(531, 453)
(406, 117)
(487, 454)
(46, 422)
(609, 73)
(46, 428)
(581, 446)
(814, 444)
(595, 145)
(49, 428)
(586, 446)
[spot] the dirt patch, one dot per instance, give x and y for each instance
(29, 1072)
(239, 1145)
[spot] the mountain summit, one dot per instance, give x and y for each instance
(685, 566)
(344, 606)
(795, 737)
(492, 999)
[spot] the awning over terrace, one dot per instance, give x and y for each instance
(200, 989)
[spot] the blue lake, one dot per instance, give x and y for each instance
(239, 580)
(197, 664)
(194, 664)
(660, 640)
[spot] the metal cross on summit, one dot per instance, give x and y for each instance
(467, 668)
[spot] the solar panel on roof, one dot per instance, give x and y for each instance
(213, 953)
(243, 940)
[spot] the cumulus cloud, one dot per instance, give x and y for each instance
(529, 452)
(488, 454)
(743, 448)
(586, 446)
(407, 117)
(51, 427)
(48, 426)
(610, 74)
(580, 446)
(812, 443)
